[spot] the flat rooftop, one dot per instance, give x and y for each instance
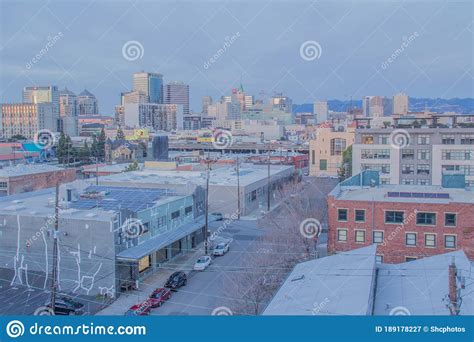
(337, 285)
(225, 175)
(98, 203)
(27, 169)
(345, 284)
(404, 194)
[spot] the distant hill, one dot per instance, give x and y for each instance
(463, 106)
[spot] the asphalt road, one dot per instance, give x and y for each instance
(209, 289)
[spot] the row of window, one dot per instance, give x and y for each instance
(422, 139)
(421, 154)
(379, 258)
(422, 218)
(457, 155)
(410, 238)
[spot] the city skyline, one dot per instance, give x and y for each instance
(212, 62)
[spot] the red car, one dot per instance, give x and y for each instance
(159, 296)
(142, 309)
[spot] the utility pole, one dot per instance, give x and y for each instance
(54, 279)
(268, 182)
(238, 189)
(96, 171)
(206, 229)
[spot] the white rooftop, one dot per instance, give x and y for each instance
(344, 284)
(27, 169)
(227, 176)
(381, 193)
(421, 286)
(337, 285)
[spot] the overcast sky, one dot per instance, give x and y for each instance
(355, 42)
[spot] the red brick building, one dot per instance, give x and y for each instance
(406, 222)
(31, 177)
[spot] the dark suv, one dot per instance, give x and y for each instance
(65, 305)
(176, 280)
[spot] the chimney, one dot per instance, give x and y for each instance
(453, 297)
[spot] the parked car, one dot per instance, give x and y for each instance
(217, 216)
(202, 263)
(65, 305)
(221, 248)
(142, 309)
(159, 296)
(176, 280)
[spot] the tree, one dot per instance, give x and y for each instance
(120, 135)
(84, 153)
(98, 145)
(65, 152)
(345, 171)
(132, 167)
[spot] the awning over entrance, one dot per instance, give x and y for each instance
(156, 243)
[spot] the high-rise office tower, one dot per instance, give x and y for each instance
(177, 93)
(67, 103)
(151, 84)
(372, 106)
(87, 104)
(400, 104)
(44, 94)
(320, 110)
(206, 102)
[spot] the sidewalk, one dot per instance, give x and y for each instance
(183, 262)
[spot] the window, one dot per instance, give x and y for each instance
(456, 155)
(375, 154)
(367, 139)
(379, 259)
(377, 236)
(342, 214)
(394, 217)
(161, 221)
(175, 215)
(447, 139)
(467, 139)
(408, 259)
(408, 154)
(430, 240)
(423, 169)
(360, 235)
(408, 181)
(253, 195)
(188, 210)
(313, 157)
(323, 164)
(450, 241)
(360, 215)
(450, 220)
(423, 139)
(384, 139)
(337, 146)
(426, 219)
(3, 185)
(342, 235)
(382, 168)
(423, 154)
(410, 239)
(408, 169)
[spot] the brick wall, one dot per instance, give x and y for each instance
(393, 248)
(39, 181)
